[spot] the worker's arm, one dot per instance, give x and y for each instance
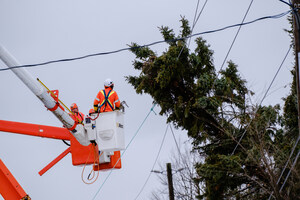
(95, 107)
(96, 102)
(117, 101)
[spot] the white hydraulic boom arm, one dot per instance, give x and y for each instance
(44, 96)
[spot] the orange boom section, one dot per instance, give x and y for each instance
(80, 153)
(35, 130)
(10, 189)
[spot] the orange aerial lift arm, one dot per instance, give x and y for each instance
(35, 130)
(39, 131)
(79, 152)
(56, 160)
(9, 187)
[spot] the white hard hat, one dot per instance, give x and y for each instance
(108, 82)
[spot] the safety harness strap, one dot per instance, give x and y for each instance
(81, 118)
(106, 100)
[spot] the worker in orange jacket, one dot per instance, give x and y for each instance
(77, 116)
(91, 111)
(107, 100)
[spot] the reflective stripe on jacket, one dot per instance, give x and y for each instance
(106, 105)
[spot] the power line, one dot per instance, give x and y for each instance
(296, 16)
(147, 45)
(200, 13)
(151, 110)
(143, 187)
(162, 142)
(236, 35)
(271, 81)
(287, 3)
(234, 39)
(194, 24)
(262, 100)
(287, 176)
(296, 143)
(297, 138)
(177, 146)
(292, 152)
(196, 13)
(178, 149)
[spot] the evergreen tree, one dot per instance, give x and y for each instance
(214, 110)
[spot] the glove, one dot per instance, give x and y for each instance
(96, 108)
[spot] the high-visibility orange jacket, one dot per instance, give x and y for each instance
(106, 100)
(78, 116)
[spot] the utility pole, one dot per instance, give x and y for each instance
(296, 29)
(170, 181)
(296, 21)
(296, 24)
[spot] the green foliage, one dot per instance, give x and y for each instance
(214, 111)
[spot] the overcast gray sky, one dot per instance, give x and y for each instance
(38, 31)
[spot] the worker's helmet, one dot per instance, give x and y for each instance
(74, 106)
(108, 83)
(91, 111)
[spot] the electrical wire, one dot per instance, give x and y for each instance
(234, 39)
(226, 59)
(196, 12)
(279, 88)
(146, 45)
(192, 35)
(239, 142)
(200, 13)
(296, 15)
(292, 152)
(151, 110)
(289, 4)
(161, 145)
(296, 143)
(263, 96)
(287, 176)
(194, 24)
(177, 146)
(237, 33)
(283, 14)
(178, 149)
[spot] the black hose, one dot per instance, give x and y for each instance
(66, 143)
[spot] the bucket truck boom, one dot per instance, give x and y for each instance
(104, 129)
(76, 129)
